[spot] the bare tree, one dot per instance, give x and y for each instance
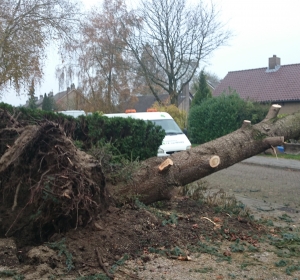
(101, 64)
(27, 28)
(176, 37)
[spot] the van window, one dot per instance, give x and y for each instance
(169, 125)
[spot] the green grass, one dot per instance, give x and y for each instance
(281, 155)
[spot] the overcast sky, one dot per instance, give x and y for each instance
(262, 28)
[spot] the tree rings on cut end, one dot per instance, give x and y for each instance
(214, 161)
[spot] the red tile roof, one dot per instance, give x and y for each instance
(264, 85)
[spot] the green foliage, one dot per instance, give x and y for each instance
(62, 247)
(11, 273)
(173, 219)
(7, 273)
(202, 270)
(290, 269)
(202, 247)
(176, 251)
(131, 138)
(118, 263)
(202, 91)
(237, 246)
(286, 156)
(32, 104)
(221, 115)
(286, 218)
(252, 248)
(98, 276)
(179, 116)
(48, 103)
(122, 138)
(281, 263)
(288, 244)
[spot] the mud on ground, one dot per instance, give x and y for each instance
(207, 238)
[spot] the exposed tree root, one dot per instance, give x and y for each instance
(62, 187)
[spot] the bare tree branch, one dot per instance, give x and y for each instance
(176, 38)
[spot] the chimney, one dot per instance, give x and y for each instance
(273, 62)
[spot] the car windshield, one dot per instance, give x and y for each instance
(169, 125)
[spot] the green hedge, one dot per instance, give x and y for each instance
(221, 115)
(130, 138)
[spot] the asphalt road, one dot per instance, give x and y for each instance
(264, 184)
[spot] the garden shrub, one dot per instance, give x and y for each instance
(128, 138)
(221, 115)
(131, 138)
(179, 116)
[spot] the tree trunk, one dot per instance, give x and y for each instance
(156, 180)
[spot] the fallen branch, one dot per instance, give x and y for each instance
(101, 264)
(246, 124)
(273, 112)
(165, 165)
(16, 197)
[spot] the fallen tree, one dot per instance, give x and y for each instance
(155, 179)
(47, 183)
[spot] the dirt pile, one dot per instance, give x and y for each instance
(172, 229)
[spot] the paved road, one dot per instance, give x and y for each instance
(274, 162)
(262, 182)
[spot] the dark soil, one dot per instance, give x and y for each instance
(171, 228)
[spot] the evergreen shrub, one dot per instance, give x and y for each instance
(131, 138)
(218, 116)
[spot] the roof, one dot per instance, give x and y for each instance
(263, 85)
(145, 102)
(60, 95)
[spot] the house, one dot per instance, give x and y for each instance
(70, 99)
(276, 84)
(143, 102)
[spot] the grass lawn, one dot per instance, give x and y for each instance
(282, 155)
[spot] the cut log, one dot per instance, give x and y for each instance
(246, 124)
(214, 161)
(273, 112)
(166, 164)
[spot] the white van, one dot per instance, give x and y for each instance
(174, 141)
(73, 113)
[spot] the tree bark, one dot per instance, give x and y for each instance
(153, 181)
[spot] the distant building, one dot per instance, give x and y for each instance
(277, 84)
(143, 102)
(70, 99)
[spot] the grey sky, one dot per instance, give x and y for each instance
(262, 28)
